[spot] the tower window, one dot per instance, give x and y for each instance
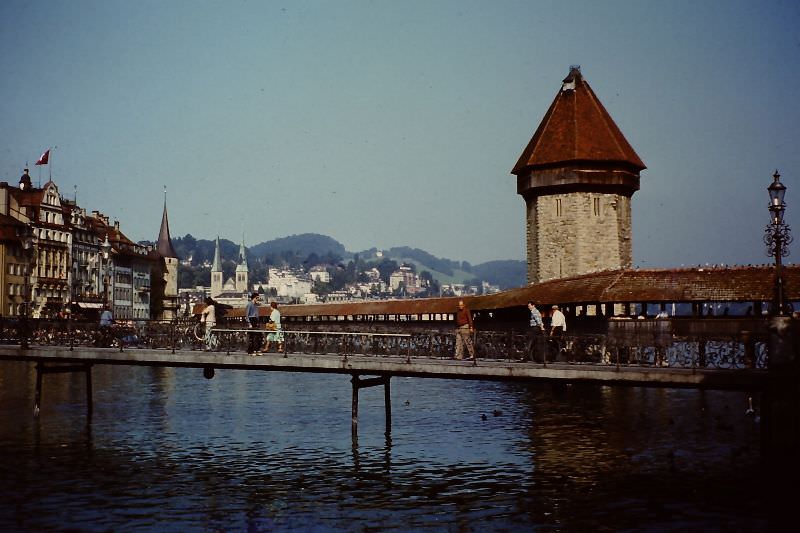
(596, 202)
(559, 210)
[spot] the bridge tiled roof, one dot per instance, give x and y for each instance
(700, 284)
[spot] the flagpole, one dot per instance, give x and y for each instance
(50, 166)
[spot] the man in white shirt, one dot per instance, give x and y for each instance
(209, 316)
(558, 323)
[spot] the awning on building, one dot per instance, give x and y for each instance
(90, 305)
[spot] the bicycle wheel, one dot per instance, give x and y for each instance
(199, 331)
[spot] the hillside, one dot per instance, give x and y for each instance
(309, 249)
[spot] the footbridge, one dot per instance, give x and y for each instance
(656, 353)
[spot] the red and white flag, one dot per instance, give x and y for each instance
(45, 157)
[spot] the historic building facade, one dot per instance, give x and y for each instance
(577, 176)
(57, 259)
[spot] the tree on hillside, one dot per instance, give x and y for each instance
(386, 267)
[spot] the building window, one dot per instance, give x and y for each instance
(558, 207)
(596, 205)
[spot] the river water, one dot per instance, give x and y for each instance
(168, 450)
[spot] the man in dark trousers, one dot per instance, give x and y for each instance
(535, 332)
(251, 314)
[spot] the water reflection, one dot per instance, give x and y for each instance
(170, 450)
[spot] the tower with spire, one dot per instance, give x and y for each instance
(577, 176)
(242, 272)
(216, 271)
(168, 270)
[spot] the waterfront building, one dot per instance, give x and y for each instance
(48, 259)
(87, 266)
(126, 270)
(577, 175)
(15, 260)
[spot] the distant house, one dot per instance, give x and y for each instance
(320, 273)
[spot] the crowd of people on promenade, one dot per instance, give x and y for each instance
(464, 334)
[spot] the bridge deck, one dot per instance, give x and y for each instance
(496, 370)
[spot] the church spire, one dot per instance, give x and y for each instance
(242, 272)
(217, 265)
(242, 259)
(164, 245)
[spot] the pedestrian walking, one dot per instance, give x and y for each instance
(464, 330)
(251, 314)
(535, 332)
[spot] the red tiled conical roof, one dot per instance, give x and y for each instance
(577, 128)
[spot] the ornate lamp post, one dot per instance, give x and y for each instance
(27, 246)
(105, 248)
(777, 237)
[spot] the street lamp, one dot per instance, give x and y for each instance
(105, 248)
(27, 246)
(777, 237)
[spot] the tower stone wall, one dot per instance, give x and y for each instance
(216, 284)
(171, 288)
(575, 233)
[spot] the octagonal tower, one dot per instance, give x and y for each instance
(577, 176)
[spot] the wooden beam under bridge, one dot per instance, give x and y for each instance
(359, 384)
(60, 368)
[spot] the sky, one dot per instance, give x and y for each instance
(397, 123)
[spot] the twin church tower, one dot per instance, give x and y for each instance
(577, 176)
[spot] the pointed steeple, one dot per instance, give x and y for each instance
(242, 259)
(242, 272)
(164, 245)
(217, 265)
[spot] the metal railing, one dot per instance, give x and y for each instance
(664, 350)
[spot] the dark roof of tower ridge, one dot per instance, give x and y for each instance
(164, 246)
(577, 127)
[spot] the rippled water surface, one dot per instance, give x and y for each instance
(168, 450)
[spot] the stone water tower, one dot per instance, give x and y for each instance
(577, 175)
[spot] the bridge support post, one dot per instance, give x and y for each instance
(41, 370)
(359, 384)
(780, 421)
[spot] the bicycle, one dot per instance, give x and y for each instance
(199, 332)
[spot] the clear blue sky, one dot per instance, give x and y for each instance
(396, 123)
